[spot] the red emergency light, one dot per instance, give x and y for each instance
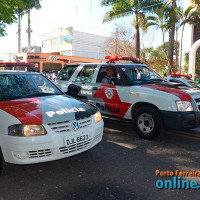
(173, 74)
(16, 64)
(117, 58)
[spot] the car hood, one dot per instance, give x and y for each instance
(167, 88)
(48, 109)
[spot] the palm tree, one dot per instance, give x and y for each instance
(161, 21)
(34, 4)
(19, 14)
(138, 8)
(172, 24)
(27, 6)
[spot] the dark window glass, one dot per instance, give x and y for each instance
(86, 74)
(66, 73)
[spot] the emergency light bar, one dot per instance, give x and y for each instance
(16, 64)
(179, 75)
(116, 58)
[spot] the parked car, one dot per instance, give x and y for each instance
(135, 92)
(182, 80)
(39, 123)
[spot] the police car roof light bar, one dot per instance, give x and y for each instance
(16, 64)
(179, 75)
(112, 59)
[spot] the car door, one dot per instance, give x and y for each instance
(112, 99)
(83, 84)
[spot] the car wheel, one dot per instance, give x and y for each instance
(4, 167)
(147, 122)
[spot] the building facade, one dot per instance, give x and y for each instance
(190, 35)
(47, 62)
(69, 42)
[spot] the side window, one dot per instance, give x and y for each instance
(66, 73)
(109, 75)
(86, 74)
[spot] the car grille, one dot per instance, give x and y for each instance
(65, 126)
(40, 153)
(197, 100)
(74, 147)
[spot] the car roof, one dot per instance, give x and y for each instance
(126, 64)
(16, 72)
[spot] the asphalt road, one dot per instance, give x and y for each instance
(121, 167)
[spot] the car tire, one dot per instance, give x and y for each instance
(147, 122)
(4, 167)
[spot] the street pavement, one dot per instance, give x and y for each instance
(121, 167)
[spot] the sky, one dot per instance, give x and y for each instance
(83, 15)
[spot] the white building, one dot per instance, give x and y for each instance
(67, 41)
(190, 34)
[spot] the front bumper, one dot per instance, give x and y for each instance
(30, 150)
(180, 120)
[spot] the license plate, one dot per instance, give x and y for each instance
(76, 139)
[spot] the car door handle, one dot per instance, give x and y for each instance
(95, 88)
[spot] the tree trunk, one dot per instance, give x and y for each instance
(19, 32)
(116, 42)
(181, 48)
(137, 37)
(29, 32)
(163, 34)
(176, 50)
(171, 40)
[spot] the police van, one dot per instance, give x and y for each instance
(39, 123)
(134, 92)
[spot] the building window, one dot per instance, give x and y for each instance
(46, 43)
(66, 53)
(67, 39)
(55, 41)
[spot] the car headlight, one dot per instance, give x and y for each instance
(97, 117)
(26, 130)
(184, 106)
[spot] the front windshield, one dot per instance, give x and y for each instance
(137, 74)
(17, 86)
(66, 73)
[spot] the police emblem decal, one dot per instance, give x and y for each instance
(109, 93)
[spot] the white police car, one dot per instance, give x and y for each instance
(181, 80)
(39, 123)
(135, 92)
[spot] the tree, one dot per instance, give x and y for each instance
(8, 12)
(186, 62)
(34, 4)
(120, 43)
(172, 22)
(138, 8)
(160, 21)
(154, 58)
(20, 12)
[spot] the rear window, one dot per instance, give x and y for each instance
(66, 73)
